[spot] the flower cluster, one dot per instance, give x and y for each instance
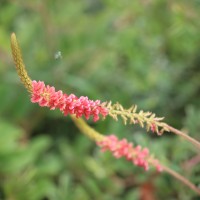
(68, 104)
(123, 148)
(130, 115)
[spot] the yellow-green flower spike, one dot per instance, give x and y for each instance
(20, 67)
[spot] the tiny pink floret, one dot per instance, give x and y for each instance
(122, 148)
(68, 104)
(153, 128)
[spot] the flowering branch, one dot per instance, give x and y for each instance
(122, 148)
(119, 148)
(142, 118)
(77, 107)
(47, 96)
(67, 104)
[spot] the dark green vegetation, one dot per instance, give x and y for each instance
(135, 52)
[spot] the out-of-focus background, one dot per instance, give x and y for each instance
(136, 52)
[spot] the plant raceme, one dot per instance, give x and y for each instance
(122, 148)
(67, 104)
(76, 107)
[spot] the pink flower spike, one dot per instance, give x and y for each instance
(122, 148)
(67, 104)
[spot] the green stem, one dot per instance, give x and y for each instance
(86, 129)
(181, 178)
(185, 136)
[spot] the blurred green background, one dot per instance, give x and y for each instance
(136, 52)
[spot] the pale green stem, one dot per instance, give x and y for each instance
(184, 135)
(181, 178)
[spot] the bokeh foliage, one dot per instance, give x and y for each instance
(135, 52)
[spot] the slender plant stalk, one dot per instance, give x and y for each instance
(181, 178)
(185, 136)
(86, 129)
